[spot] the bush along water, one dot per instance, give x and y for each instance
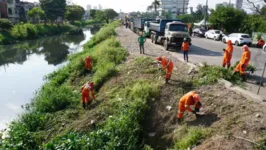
(60, 95)
(32, 31)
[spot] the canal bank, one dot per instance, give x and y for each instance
(24, 65)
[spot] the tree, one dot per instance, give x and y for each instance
(111, 14)
(229, 18)
(100, 16)
(154, 5)
(93, 13)
(187, 18)
(74, 12)
(53, 8)
(254, 23)
(36, 13)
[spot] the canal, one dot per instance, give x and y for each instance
(23, 67)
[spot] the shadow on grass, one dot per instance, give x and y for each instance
(206, 120)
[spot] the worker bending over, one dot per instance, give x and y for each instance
(189, 99)
(228, 52)
(167, 66)
(241, 67)
(86, 90)
(88, 63)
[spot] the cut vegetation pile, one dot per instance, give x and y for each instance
(134, 109)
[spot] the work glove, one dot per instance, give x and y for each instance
(224, 50)
(243, 66)
(194, 112)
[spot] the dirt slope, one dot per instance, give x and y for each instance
(230, 116)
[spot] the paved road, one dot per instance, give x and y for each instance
(210, 51)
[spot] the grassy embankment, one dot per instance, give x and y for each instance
(27, 31)
(55, 119)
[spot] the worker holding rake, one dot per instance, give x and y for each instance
(167, 66)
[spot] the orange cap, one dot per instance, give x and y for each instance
(196, 97)
(159, 58)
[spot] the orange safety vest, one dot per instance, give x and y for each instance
(245, 57)
(185, 46)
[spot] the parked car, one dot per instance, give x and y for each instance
(213, 34)
(264, 47)
(199, 32)
(238, 39)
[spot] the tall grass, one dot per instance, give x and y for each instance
(59, 92)
(122, 130)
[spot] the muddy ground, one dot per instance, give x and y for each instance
(236, 122)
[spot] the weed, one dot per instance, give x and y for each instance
(193, 136)
(261, 145)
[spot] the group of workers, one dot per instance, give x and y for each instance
(87, 89)
(244, 61)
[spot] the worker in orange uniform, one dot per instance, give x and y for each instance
(185, 48)
(241, 67)
(228, 52)
(88, 63)
(260, 43)
(167, 66)
(85, 91)
(189, 99)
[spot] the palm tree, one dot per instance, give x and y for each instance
(154, 6)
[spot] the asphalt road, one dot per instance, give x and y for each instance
(211, 52)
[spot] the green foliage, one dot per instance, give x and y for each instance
(53, 8)
(192, 137)
(103, 34)
(36, 13)
(121, 131)
(52, 99)
(5, 24)
(211, 74)
(111, 14)
(93, 13)
(230, 18)
(100, 16)
(74, 12)
(261, 144)
(253, 23)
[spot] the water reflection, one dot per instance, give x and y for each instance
(23, 66)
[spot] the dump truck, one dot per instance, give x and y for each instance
(170, 33)
(139, 23)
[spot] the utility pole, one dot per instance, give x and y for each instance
(206, 14)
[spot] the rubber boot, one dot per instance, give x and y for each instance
(166, 81)
(228, 66)
(179, 120)
(224, 65)
(244, 78)
(84, 105)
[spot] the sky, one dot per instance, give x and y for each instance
(135, 5)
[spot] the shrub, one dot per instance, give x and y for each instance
(5, 24)
(52, 98)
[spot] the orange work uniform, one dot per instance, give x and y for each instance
(260, 43)
(185, 102)
(241, 67)
(228, 54)
(168, 66)
(185, 46)
(88, 63)
(86, 90)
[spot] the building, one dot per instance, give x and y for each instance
(173, 7)
(225, 4)
(100, 7)
(24, 9)
(239, 4)
(13, 8)
(3, 9)
(88, 7)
